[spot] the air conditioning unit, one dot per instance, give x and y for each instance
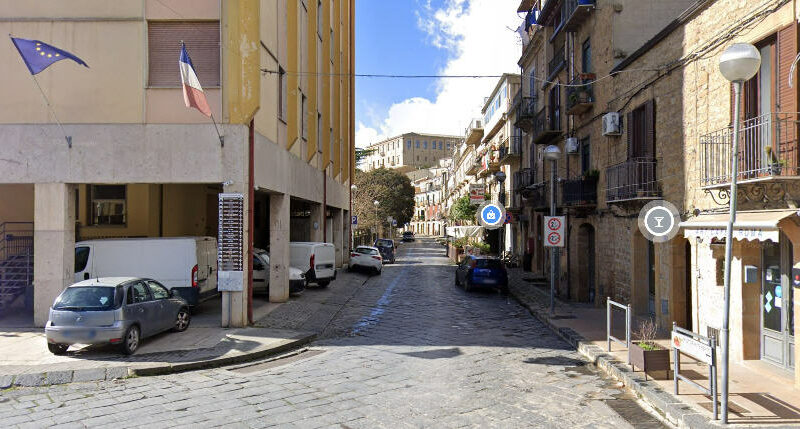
(612, 125)
(571, 145)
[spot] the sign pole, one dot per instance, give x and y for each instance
(553, 249)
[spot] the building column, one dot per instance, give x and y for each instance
(279, 223)
(234, 304)
(54, 245)
(317, 219)
(347, 233)
(338, 232)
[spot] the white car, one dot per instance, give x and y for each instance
(367, 257)
(297, 279)
(316, 260)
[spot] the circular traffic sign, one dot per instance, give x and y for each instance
(491, 215)
(554, 224)
(554, 238)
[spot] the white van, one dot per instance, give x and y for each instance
(186, 264)
(317, 260)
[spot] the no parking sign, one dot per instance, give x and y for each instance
(554, 227)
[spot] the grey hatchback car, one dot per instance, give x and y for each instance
(114, 310)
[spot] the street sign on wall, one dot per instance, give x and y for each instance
(354, 220)
(554, 228)
(477, 193)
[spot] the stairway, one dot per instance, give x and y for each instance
(16, 261)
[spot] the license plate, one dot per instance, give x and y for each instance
(80, 335)
(490, 281)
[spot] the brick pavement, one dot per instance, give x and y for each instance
(407, 350)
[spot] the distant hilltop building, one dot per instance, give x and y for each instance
(410, 151)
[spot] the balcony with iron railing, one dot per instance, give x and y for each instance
(575, 13)
(547, 125)
(474, 167)
(556, 63)
(580, 192)
(525, 112)
(474, 132)
(768, 151)
(634, 179)
(537, 195)
(511, 150)
(580, 94)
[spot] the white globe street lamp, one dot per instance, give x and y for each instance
(737, 64)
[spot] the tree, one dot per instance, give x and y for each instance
(362, 154)
(462, 209)
(391, 189)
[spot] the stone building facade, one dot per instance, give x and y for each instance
(409, 151)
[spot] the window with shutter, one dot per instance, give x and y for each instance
(641, 123)
(164, 48)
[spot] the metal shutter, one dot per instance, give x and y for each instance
(202, 43)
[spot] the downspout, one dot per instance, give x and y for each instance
(251, 195)
(325, 205)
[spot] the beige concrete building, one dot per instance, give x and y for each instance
(409, 151)
(672, 143)
(141, 164)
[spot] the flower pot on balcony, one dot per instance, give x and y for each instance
(775, 169)
(649, 356)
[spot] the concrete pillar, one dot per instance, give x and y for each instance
(338, 232)
(53, 245)
(347, 236)
(234, 304)
(279, 223)
(316, 223)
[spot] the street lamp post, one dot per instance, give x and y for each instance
(737, 64)
(552, 153)
(500, 176)
(376, 203)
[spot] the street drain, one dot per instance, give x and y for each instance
(278, 361)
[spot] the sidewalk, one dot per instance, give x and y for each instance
(25, 360)
(760, 395)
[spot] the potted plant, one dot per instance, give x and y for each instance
(645, 353)
(775, 164)
(591, 175)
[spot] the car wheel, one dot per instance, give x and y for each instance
(182, 320)
(324, 283)
(57, 349)
(456, 280)
(378, 272)
(467, 286)
(131, 340)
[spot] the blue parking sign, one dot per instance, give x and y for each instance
(355, 220)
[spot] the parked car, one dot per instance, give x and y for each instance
(367, 258)
(316, 260)
(482, 272)
(408, 236)
(114, 310)
(297, 279)
(387, 248)
(186, 265)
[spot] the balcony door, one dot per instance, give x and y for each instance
(758, 96)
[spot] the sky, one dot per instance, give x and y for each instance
(429, 37)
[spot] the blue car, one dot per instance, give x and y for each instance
(482, 272)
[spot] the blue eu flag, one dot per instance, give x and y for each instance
(39, 55)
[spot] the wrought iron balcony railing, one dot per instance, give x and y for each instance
(579, 192)
(547, 124)
(580, 94)
(576, 12)
(525, 112)
(768, 148)
(557, 62)
(634, 179)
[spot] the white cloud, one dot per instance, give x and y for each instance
(478, 39)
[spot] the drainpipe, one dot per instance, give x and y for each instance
(325, 205)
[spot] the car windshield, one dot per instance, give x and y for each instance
(366, 251)
(89, 298)
(488, 263)
(384, 243)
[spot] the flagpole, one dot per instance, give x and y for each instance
(53, 112)
(221, 139)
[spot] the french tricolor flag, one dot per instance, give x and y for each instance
(192, 91)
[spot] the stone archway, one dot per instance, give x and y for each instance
(586, 285)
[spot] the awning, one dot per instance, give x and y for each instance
(525, 6)
(760, 225)
(465, 231)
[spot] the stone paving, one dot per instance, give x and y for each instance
(406, 349)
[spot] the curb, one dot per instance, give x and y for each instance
(670, 407)
(118, 372)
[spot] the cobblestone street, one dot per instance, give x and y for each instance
(406, 349)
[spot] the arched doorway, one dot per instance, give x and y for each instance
(587, 291)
